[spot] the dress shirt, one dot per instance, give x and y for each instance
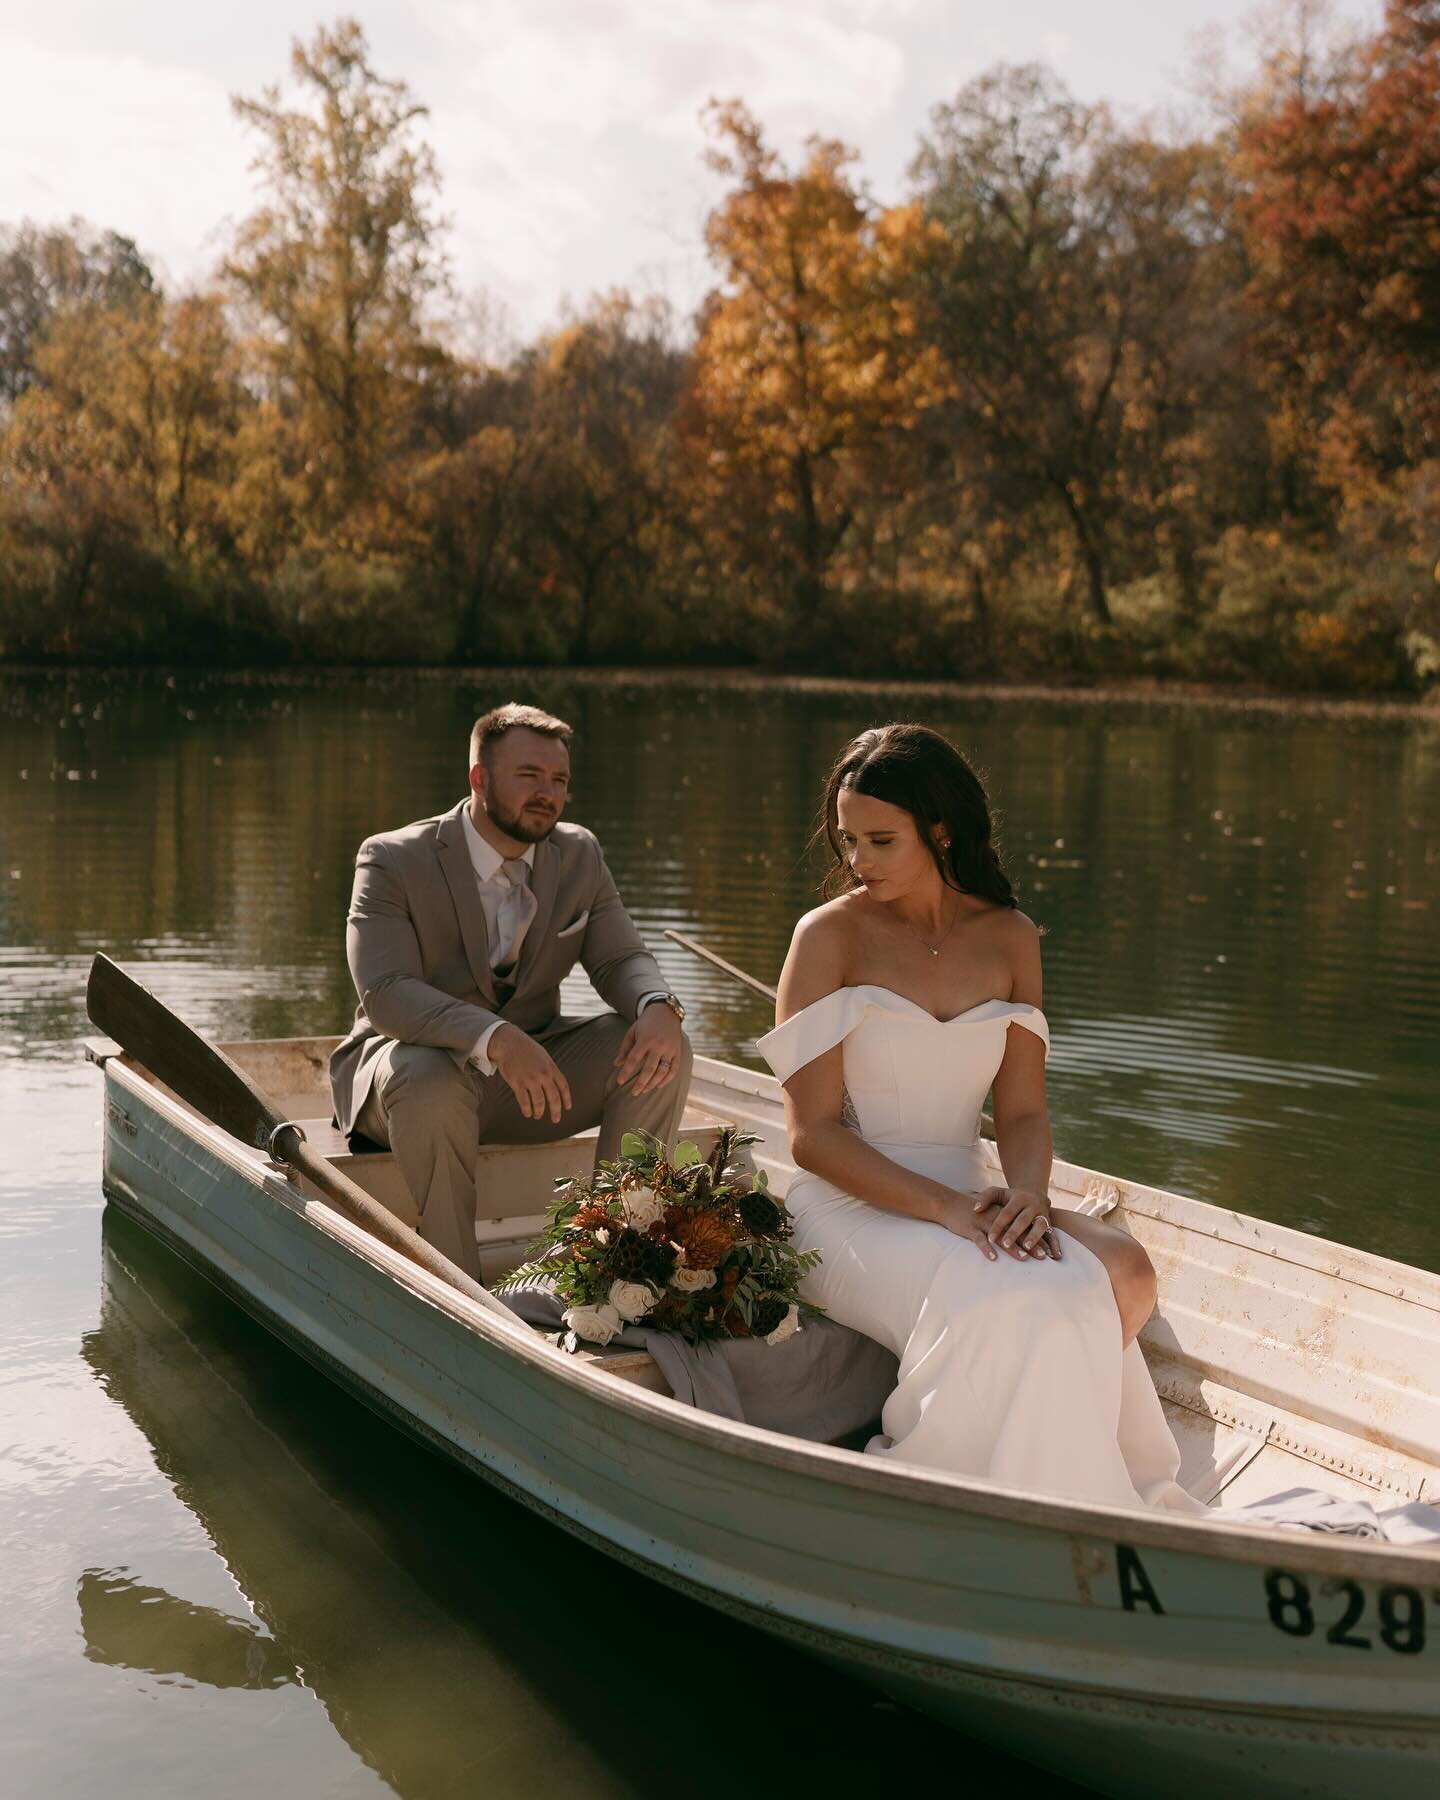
(497, 898)
(499, 902)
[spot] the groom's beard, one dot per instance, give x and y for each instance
(525, 828)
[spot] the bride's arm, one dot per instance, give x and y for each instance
(1018, 1213)
(814, 1098)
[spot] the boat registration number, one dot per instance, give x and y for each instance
(1339, 1611)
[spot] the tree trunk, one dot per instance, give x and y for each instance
(1090, 554)
(1187, 576)
(810, 586)
(984, 620)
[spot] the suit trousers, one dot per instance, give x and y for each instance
(435, 1118)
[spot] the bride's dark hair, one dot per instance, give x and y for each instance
(913, 767)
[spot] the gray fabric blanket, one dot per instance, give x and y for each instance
(1309, 1509)
(823, 1383)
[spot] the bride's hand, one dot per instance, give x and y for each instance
(1019, 1222)
(957, 1214)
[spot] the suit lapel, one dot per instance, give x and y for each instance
(544, 881)
(454, 856)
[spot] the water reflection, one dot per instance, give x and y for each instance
(132, 1626)
(454, 1640)
(1243, 979)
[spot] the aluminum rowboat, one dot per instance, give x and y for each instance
(1134, 1652)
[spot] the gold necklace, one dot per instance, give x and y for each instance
(934, 949)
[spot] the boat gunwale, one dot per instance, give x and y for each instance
(1065, 1692)
(1214, 1535)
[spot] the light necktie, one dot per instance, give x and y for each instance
(522, 906)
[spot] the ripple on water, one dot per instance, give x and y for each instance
(1254, 1022)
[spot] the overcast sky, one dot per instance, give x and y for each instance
(567, 131)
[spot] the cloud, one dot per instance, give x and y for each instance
(146, 149)
(591, 121)
(647, 68)
(568, 132)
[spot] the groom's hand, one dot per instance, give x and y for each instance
(531, 1073)
(651, 1049)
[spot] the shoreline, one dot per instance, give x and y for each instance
(1128, 690)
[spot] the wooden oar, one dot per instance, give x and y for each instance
(221, 1092)
(696, 948)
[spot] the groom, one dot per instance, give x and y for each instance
(461, 929)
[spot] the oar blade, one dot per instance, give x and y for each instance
(201, 1075)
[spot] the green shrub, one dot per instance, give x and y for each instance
(336, 606)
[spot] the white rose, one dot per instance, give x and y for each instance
(642, 1209)
(597, 1324)
(787, 1327)
(631, 1299)
(692, 1281)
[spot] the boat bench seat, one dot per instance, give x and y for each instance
(514, 1182)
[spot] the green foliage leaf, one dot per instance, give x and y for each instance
(686, 1156)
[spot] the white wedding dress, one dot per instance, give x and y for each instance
(1009, 1370)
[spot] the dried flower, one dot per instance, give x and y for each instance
(704, 1237)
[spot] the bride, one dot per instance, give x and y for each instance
(903, 1001)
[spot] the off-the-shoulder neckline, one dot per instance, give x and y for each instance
(874, 987)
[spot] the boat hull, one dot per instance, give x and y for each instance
(1124, 1651)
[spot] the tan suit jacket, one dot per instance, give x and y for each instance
(419, 952)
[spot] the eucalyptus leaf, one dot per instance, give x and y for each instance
(632, 1144)
(686, 1156)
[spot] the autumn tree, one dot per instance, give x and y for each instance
(1189, 428)
(336, 270)
(1021, 301)
(807, 365)
(604, 390)
(145, 399)
(117, 459)
(1343, 219)
(1341, 211)
(44, 270)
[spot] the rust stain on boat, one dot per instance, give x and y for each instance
(1086, 1563)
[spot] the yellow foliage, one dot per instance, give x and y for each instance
(144, 401)
(809, 365)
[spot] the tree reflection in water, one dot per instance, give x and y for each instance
(402, 1591)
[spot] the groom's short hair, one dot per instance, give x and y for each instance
(490, 727)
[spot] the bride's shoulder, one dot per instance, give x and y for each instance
(828, 929)
(1019, 938)
(821, 948)
(1017, 925)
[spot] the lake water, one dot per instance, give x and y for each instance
(221, 1575)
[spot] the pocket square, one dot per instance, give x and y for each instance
(574, 925)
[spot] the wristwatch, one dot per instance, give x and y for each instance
(670, 1000)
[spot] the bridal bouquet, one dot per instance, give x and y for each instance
(687, 1243)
